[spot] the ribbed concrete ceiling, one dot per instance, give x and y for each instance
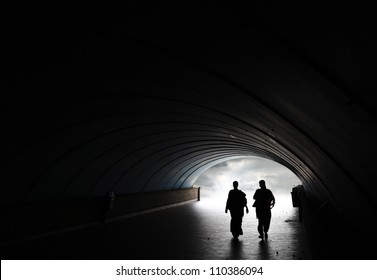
(149, 100)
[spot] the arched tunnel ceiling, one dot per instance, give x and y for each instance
(148, 100)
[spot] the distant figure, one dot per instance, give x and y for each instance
(264, 201)
(236, 203)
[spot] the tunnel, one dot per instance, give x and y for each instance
(137, 104)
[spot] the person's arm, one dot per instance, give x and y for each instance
(273, 200)
(227, 204)
(255, 196)
(247, 209)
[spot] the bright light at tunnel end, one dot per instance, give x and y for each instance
(216, 182)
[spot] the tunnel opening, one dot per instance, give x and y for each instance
(215, 182)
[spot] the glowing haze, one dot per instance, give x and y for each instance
(216, 182)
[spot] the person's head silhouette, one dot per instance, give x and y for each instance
(262, 184)
(235, 185)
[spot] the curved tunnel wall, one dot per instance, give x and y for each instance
(88, 110)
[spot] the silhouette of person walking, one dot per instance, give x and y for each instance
(236, 203)
(264, 201)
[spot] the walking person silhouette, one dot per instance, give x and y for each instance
(264, 202)
(236, 203)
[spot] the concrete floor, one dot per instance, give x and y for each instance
(197, 230)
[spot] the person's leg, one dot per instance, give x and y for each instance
(238, 225)
(240, 228)
(233, 227)
(260, 227)
(240, 217)
(266, 223)
(234, 224)
(260, 222)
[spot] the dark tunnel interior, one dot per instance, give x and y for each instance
(142, 102)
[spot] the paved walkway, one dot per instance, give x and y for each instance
(198, 230)
(201, 231)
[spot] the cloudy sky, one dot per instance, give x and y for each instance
(218, 180)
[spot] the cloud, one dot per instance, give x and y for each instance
(218, 179)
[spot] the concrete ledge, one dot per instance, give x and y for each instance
(121, 217)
